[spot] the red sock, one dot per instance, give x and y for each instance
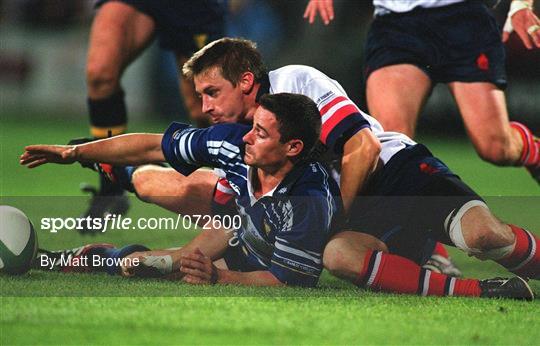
(525, 258)
(530, 156)
(392, 273)
(440, 250)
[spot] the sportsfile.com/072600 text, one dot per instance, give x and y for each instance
(120, 222)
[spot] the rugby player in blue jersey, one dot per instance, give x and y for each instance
(287, 201)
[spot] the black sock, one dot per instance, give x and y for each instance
(108, 116)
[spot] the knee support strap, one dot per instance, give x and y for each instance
(452, 225)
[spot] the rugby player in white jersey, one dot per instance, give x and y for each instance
(414, 44)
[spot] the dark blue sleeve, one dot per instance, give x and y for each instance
(298, 247)
(187, 148)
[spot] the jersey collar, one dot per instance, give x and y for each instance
(282, 189)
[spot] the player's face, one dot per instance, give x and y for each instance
(263, 148)
(221, 100)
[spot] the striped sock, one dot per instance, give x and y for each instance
(440, 250)
(525, 258)
(530, 156)
(396, 274)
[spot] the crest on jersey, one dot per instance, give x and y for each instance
(266, 227)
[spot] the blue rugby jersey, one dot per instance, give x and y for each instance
(285, 230)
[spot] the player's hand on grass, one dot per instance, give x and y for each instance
(527, 25)
(198, 268)
(325, 8)
(37, 155)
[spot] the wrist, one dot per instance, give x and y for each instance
(519, 5)
(76, 152)
(216, 275)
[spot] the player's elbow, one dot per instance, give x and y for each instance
(363, 146)
(372, 147)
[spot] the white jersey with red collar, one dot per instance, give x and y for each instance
(383, 7)
(341, 118)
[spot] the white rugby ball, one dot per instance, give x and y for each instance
(18, 241)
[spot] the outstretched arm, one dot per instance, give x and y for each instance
(325, 8)
(524, 22)
(130, 149)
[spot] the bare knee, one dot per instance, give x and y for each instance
(335, 262)
(102, 77)
(144, 181)
(489, 236)
(344, 254)
(482, 231)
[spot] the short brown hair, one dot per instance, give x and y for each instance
(234, 56)
(290, 111)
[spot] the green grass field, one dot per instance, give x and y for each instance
(55, 308)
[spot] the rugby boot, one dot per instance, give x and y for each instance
(109, 199)
(512, 288)
(101, 205)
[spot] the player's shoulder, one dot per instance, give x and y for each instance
(297, 71)
(176, 130)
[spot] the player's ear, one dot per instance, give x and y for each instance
(247, 81)
(295, 147)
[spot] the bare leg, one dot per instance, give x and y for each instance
(482, 230)
(119, 34)
(344, 254)
(395, 96)
(479, 233)
(191, 195)
(483, 108)
(364, 261)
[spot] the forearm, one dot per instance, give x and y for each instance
(257, 278)
(360, 159)
(130, 149)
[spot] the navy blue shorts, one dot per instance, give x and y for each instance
(183, 26)
(460, 42)
(408, 202)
